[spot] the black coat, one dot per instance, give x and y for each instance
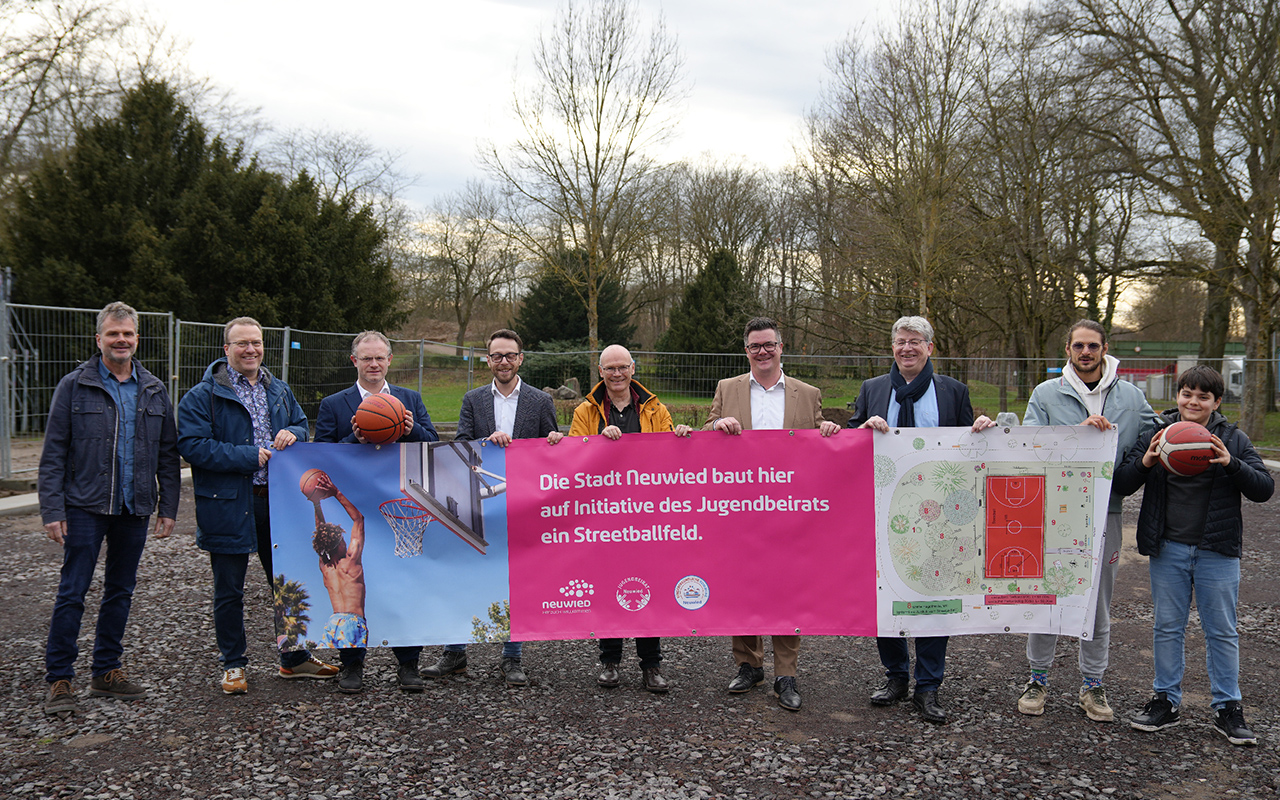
(1223, 527)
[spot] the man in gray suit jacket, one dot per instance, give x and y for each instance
(762, 399)
(504, 410)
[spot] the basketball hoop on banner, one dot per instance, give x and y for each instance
(407, 520)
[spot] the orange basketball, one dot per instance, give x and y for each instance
(309, 485)
(380, 418)
(1186, 448)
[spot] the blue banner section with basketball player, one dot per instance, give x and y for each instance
(385, 571)
(407, 544)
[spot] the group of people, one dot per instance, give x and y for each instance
(112, 452)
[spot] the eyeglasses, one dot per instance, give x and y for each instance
(371, 359)
(510, 358)
(762, 347)
(623, 370)
(246, 344)
(909, 343)
(1092, 347)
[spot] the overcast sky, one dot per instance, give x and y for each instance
(430, 78)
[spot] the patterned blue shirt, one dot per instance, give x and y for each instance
(125, 395)
(254, 397)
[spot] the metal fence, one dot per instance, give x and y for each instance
(40, 344)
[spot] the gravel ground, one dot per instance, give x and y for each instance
(562, 736)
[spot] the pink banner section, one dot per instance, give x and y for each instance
(770, 532)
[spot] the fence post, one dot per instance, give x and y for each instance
(471, 367)
(6, 363)
(284, 357)
(422, 347)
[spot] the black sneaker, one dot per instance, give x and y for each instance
(1156, 715)
(1230, 723)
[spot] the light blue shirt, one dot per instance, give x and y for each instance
(926, 409)
(125, 395)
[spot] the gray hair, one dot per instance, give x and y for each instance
(918, 325)
(117, 310)
(365, 336)
(226, 329)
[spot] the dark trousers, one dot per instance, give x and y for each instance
(229, 571)
(125, 536)
(931, 660)
(649, 649)
(407, 656)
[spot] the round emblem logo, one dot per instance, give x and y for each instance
(692, 592)
(632, 594)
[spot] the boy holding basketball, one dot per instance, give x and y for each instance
(1190, 527)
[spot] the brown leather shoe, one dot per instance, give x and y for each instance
(609, 677)
(653, 680)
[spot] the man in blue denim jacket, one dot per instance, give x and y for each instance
(110, 454)
(229, 425)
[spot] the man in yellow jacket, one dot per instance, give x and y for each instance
(619, 404)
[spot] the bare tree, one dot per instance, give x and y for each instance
(579, 175)
(469, 258)
(1201, 78)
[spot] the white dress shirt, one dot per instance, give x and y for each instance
(504, 408)
(768, 405)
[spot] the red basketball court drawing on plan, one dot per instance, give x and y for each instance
(1015, 526)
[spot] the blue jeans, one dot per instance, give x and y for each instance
(1179, 570)
(509, 649)
(228, 595)
(126, 536)
(931, 660)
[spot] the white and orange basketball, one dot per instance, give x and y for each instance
(1186, 448)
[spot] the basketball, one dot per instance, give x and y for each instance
(380, 418)
(309, 485)
(1186, 448)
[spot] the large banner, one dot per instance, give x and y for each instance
(657, 535)
(915, 532)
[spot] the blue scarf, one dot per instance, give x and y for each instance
(908, 393)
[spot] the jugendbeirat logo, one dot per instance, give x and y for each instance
(576, 594)
(633, 594)
(692, 592)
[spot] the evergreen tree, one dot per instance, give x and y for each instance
(552, 312)
(714, 309)
(145, 208)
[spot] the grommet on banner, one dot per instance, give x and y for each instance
(693, 632)
(591, 634)
(797, 631)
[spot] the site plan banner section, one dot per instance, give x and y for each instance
(770, 532)
(992, 532)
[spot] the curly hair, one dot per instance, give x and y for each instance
(328, 540)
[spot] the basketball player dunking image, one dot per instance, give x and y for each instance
(343, 571)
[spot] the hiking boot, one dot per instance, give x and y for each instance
(1156, 715)
(115, 684)
(926, 702)
(1095, 706)
(512, 672)
(233, 681)
(61, 699)
(1032, 700)
(408, 679)
(451, 662)
(747, 677)
(311, 668)
(1230, 723)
